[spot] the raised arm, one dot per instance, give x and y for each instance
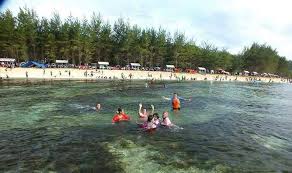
(152, 107)
(166, 98)
(184, 99)
(140, 110)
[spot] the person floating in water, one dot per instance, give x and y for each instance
(120, 116)
(175, 101)
(98, 106)
(144, 114)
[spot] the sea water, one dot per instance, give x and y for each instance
(52, 126)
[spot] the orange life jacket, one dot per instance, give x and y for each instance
(175, 103)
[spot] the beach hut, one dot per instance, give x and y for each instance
(61, 63)
(7, 62)
(135, 66)
(169, 68)
(103, 65)
(202, 70)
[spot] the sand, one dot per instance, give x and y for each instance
(93, 74)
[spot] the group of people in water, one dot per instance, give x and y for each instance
(149, 120)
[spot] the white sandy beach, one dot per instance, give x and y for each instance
(93, 74)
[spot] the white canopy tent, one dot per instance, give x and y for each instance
(58, 61)
(7, 61)
(103, 65)
(11, 60)
(170, 67)
(135, 66)
(202, 69)
(246, 73)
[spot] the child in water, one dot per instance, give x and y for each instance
(156, 119)
(165, 120)
(151, 123)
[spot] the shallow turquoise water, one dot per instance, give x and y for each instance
(227, 127)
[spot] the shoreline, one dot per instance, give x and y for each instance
(99, 74)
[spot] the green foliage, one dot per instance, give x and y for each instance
(26, 36)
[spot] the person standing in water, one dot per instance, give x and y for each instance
(120, 116)
(144, 114)
(175, 101)
(165, 120)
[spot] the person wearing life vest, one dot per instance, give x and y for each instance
(120, 116)
(175, 101)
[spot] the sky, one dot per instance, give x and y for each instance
(229, 24)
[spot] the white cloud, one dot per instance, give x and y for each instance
(229, 24)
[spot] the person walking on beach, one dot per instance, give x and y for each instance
(130, 76)
(26, 74)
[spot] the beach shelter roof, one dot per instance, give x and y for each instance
(202, 68)
(7, 60)
(135, 64)
(103, 63)
(58, 61)
(170, 66)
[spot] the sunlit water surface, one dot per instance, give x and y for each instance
(227, 127)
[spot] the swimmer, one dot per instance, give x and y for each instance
(156, 119)
(175, 101)
(144, 114)
(120, 116)
(165, 120)
(150, 123)
(97, 107)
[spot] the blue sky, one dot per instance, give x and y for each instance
(230, 24)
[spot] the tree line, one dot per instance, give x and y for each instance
(29, 37)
